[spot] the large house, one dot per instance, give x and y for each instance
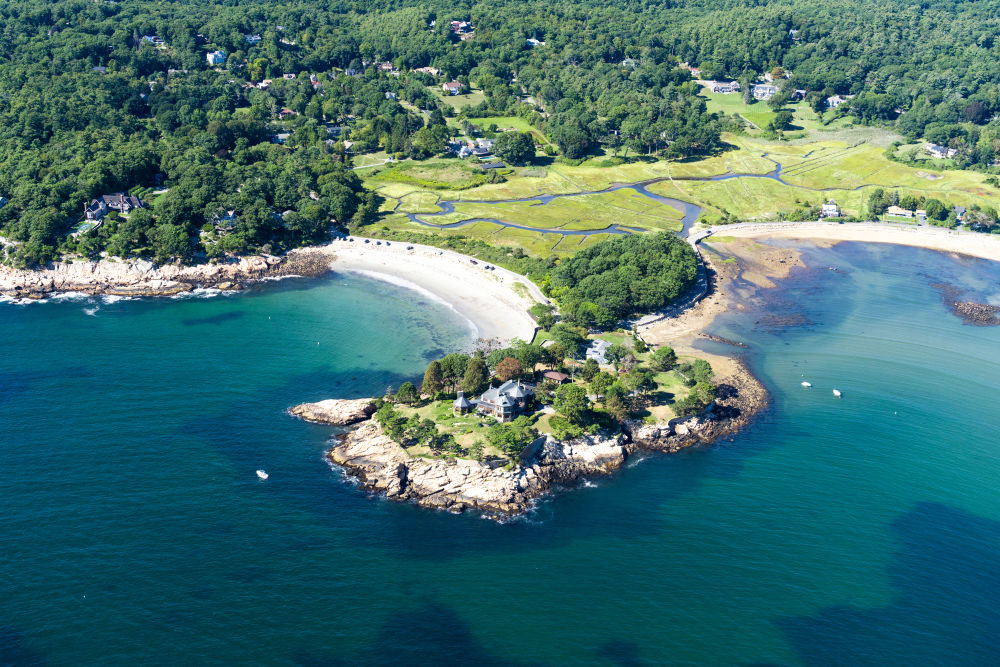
(504, 402)
(104, 204)
(722, 86)
(453, 87)
(216, 58)
(763, 91)
(252, 39)
(830, 210)
(939, 151)
(899, 212)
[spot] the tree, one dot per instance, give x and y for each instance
(571, 402)
(935, 209)
(407, 393)
(589, 369)
(616, 353)
(453, 368)
(508, 369)
(514, 147)
(701, 370)
(599, 385)
(476, 376)
(663, 359)
(433, 379)
(511, 438)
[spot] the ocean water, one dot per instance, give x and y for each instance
(862, 530)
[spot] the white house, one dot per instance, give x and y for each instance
(722, 86)
(453, 87)
(835, 101)
(534, 42)
(597, 349)
(216, 58)
(830, 210)
(764, 91)
(252, 39)
(940, 151)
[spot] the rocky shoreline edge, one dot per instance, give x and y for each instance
(140, 278)
(497, 489)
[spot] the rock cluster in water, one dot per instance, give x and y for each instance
(337, 412)
(493, 487)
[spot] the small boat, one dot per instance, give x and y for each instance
(806, 384)
(261, 474)
(836, 392)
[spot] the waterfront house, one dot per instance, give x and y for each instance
(940, 151)
(959, 211)
(506, 401)
(216, 58)
(453, 87)
(898, 212)
(104, 204)
(830, 210)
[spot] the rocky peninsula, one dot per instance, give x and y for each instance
(497, 488)
(145, 278)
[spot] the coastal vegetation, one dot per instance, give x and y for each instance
(573, 394)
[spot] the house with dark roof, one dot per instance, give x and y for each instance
(119, 201)
(555, 376)
(506, 401)
(3, 201)
(462, 405)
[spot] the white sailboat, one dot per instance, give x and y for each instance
(806, 384)
(836, 393)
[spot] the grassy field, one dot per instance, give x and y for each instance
(459, 102)
(442, 174)
(850, 160)
(504, 123)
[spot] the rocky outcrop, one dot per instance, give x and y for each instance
(741, 397)
(144, 278)
(338, 412)
(382, 466)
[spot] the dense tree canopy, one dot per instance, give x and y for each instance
(628, 274)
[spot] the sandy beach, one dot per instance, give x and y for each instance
(495, 301)
(986, 246)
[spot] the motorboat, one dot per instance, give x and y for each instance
(806, 384)
(261, 474)
(836, 392)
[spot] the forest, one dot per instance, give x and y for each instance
(252, 151)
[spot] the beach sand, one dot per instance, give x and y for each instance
(495, 301)
(986, 246)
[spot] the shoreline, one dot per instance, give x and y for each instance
(974, 244)
(494, 303)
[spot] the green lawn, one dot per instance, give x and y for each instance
(459, 102)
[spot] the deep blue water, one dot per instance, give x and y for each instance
(855, 531)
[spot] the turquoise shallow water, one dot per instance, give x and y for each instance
(858, 531)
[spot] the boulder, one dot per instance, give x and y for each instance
(337, 412)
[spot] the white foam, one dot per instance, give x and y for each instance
(406, 284)
(92, 311)
(108, 299)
